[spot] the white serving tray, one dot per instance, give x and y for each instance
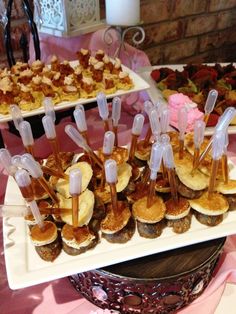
(139, 84)
(25, 268)
(156, 95)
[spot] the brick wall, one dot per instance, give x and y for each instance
(177, 31)
(181, 31)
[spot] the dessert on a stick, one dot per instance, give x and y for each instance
(177, 208)
(211, 206)
(43, 234)
(118, 226)
(76, 238)
(27, 137)
(149, 210)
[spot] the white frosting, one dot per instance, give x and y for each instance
(68, 80)
(92, 61)
(106, 59)
(98, 66)
(88, 80)
(100, 52)
(46, 80)
(24, 88)
(37, 64)
(78, 70)
(26, 72)
(117, 63)
(57, 76)
(6, 85)
(54, 58)
(70, 89)
(84, 51)
(123, 75)
(37, 80)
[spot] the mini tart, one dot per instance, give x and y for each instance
(77, 240)
(114, 223)
(162, 185)
(226, 188)
(153, 214)
(143, 152)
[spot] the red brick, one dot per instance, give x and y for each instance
(186, 7)
(162, 32)
(197, 59)
(200, 25)
(226, 19)
(217, 5)
(217, 40)
(155, 55)
(154, 11)
(179, 50)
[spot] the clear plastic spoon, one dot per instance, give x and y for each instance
(75, 188)
(154, 165)
(24, 182)
(16, 115)
(210, 104)
(103, 109)
(27, 136)
(182, 126)
(136, 131)
(116, 110)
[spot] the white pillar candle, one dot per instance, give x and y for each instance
(123, 12)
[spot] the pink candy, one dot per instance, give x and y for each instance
(179, 100)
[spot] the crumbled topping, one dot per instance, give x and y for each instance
(84, 51)
(98, 66)
(123, 75)
(37, 64)
(24, 88)
(78, 70)
(106, 59)
(37, 80)
(117, 63)
(6, 85)
(27, 73)
(88, 80)
(57, 76)
(71, 89)
(68, 80)
(92, 61)
(46, 80)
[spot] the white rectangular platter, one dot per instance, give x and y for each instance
(25, 268)
(156, 95)
(139, 84)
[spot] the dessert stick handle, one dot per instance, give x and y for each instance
(54, 173)
(151, 193)
(75, 210)
(106, 125)
(203, 155)
(48, 189)
(133, 147)
(214, 169)
(206, 117)
(114, 202)
(148, 136)
(30, 150)
(55, 149)
(173, 184)
(27, 192)
(115, 131)
(85, 136)
(225, 168)
(181, 149)
(96, 159)
(196, 157)
(164, 171)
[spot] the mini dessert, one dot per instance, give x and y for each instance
(117, 67)
(69, 91)
(25, 76)
(178, 215)
(83, 57)
(107, 64)
(118, 226)
(37, 66)
(177, 101)
(46, 242)
(97, 71)
(209, 211)
(124, 81)
(100, 55)
(65, 157)
(109, 83)
(77, 237)
(229, 191)
(149, 220)
(87, 87)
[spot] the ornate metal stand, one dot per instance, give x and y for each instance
(121, 32)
